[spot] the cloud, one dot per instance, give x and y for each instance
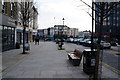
(51, 13)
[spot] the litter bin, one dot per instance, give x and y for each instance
(89, 59)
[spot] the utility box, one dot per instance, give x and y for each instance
(89, 60)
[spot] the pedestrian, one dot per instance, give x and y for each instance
(37, 39)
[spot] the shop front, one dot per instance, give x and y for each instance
(8, 33)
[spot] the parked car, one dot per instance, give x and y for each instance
(68, 39)
(57, 41)
(113, 43)
(71, 40)
(84, 42)
(105, 44)
(81, 41)
(78, 41)
(87, 43)
(75, 40)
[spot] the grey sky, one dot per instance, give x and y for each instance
(51, 13)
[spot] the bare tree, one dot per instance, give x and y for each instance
(27, 15)
(102, 10)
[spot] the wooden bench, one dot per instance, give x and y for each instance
(75, 57)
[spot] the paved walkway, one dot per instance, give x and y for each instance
(46, 61)
(11, 57)
(106, 73)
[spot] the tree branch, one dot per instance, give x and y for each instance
(89, 6)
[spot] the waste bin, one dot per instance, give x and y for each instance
(89, 59)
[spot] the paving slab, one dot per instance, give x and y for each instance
(46, 61)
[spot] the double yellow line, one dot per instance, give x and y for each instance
(111, 68)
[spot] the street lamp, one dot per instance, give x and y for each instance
(61, 30)
(63, 21)
(63, 27)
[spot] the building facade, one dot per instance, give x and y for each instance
(73, 32)
(45, 33)
(35, 22)
(52, 33)
(11, 25)
(60, 30)
(111, 25)
(8, 25)
(31, 27)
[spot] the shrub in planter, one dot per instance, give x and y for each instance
(17, 45)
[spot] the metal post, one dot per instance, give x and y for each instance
(92, 25)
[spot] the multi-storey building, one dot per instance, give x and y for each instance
(52, 33)
(61, 30)
(9, 23)
(45, 33)
(73, 32)
(35, 22)
(31, 27)
(85, 34)
(111, 25)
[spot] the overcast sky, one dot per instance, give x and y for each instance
(51, 12)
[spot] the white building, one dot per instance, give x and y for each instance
(45, 32)
(84, 34)
(73, 32)
(60, 30)
(52, 31)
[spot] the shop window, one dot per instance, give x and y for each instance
(5, 36)
(1, 34)
(9, 35)
(12, 36)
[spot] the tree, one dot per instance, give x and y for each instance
(102, 10)
(26, 16)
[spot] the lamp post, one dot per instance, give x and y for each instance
(63, 26)
(61, 31)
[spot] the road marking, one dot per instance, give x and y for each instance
(111, 68)
(111, 51)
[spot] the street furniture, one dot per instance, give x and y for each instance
(75, 57)
(89, 59)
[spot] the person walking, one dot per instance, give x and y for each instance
(37, 39)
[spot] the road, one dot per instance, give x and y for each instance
(110, 58)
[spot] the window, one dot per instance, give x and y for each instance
(12, 9)
(5, 36)
(3, 7)
(1, 28)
